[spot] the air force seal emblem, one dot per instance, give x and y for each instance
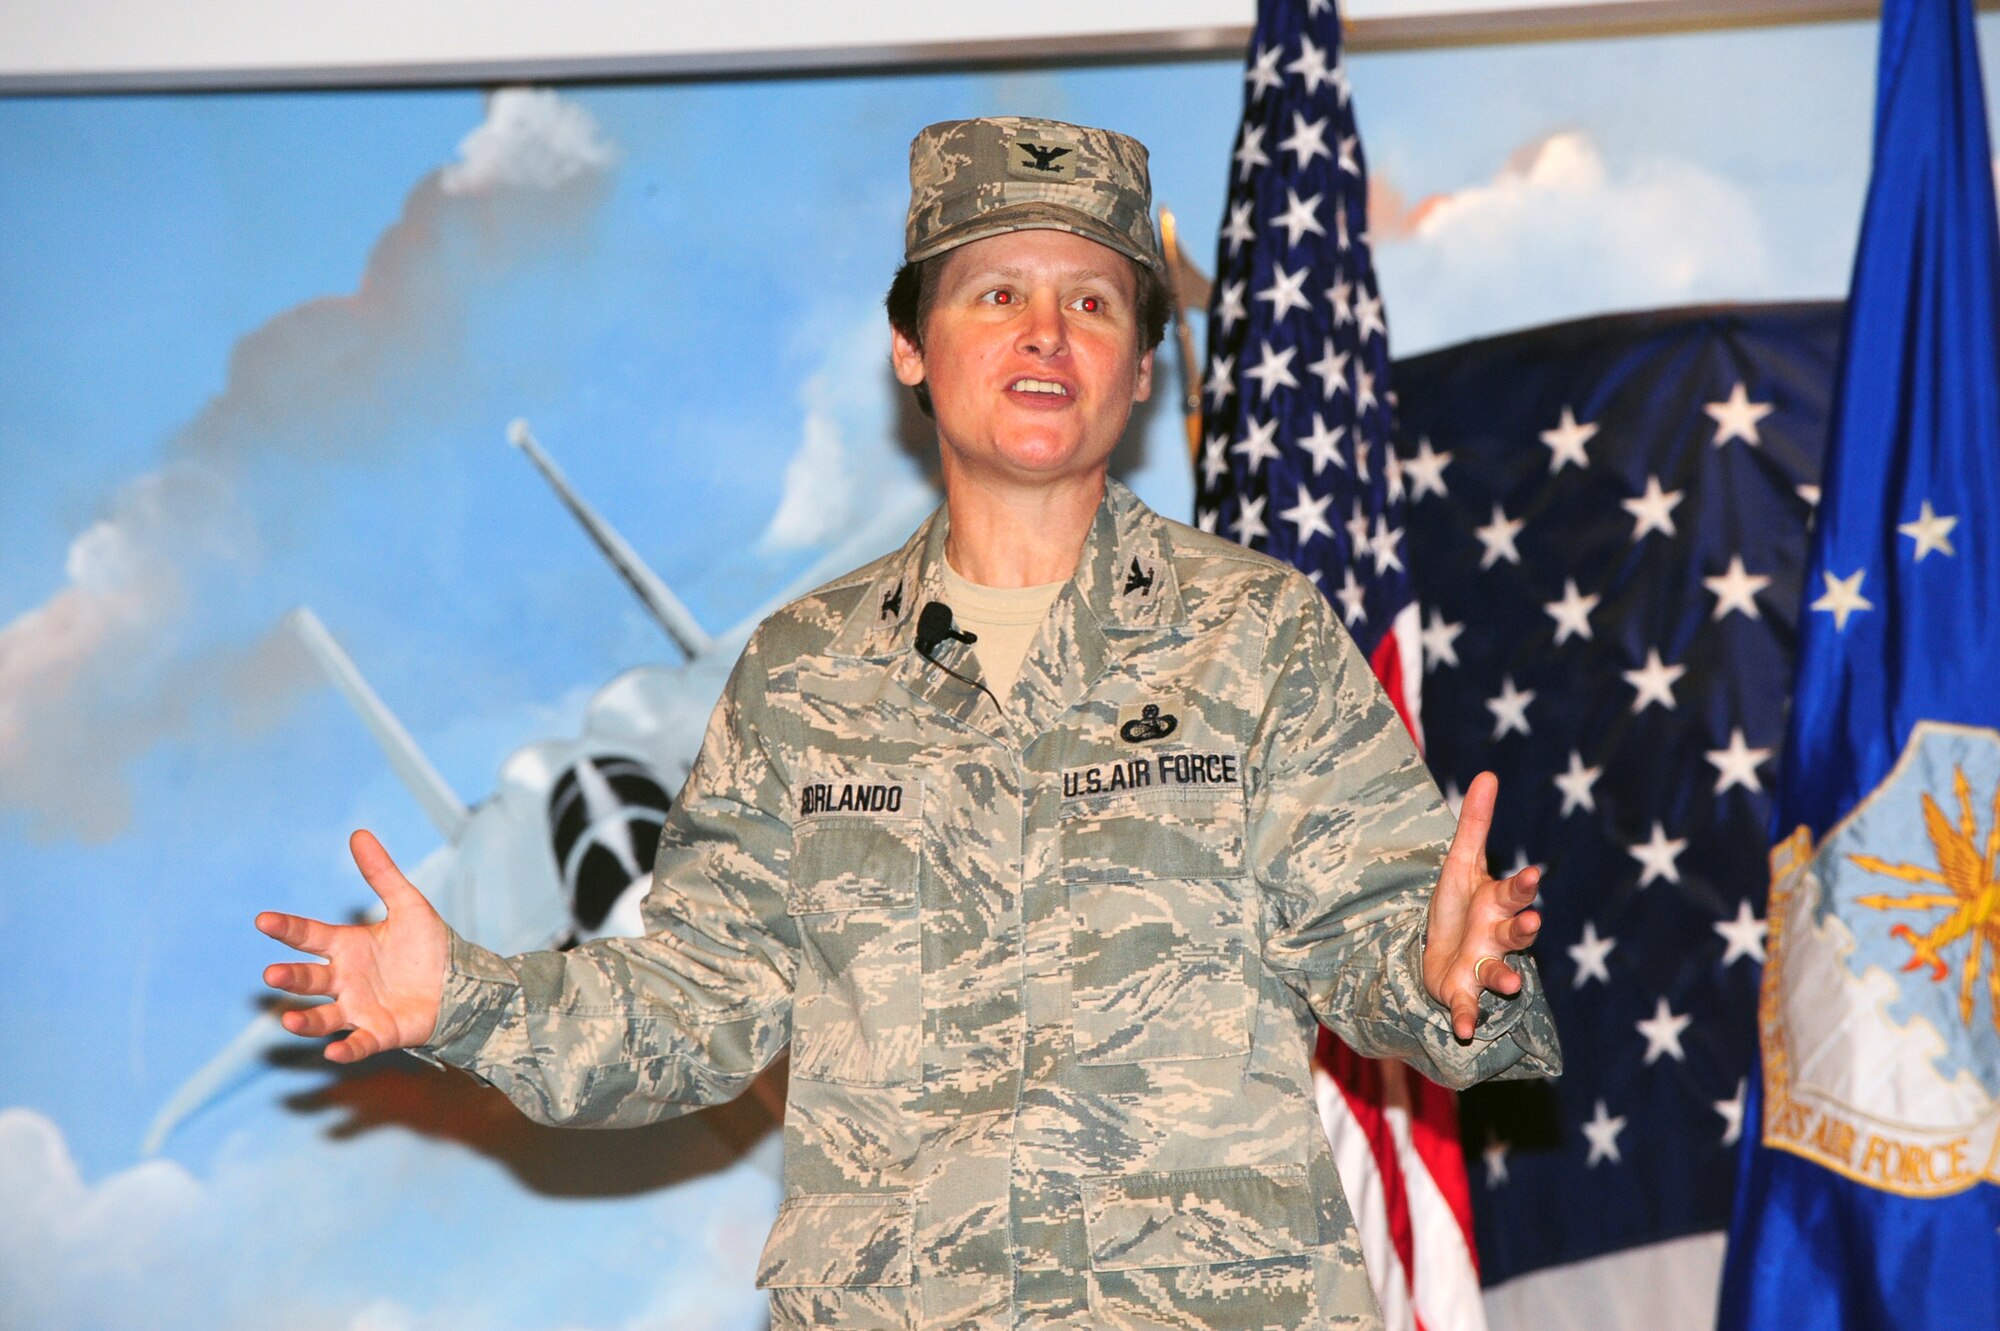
(1880, 1010)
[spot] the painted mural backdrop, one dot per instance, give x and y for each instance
(263, 352)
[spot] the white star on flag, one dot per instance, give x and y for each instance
(1237, 230)
(1736, 589)
(1307, 141)
(1351, 595)
(1221, 385)
(1571, 613)
(1575, 785)
(1357, 530)
(1331, 369)
(1930, 532)
(1311, 65)
(1309, 515)
(1663, 1033)
(1498, 538)
(1654, 682)
(1426, 471)
(1341, 297)
(1843, 597)
(1214, 458)
(1737, 418)
(1737, 764)
(1732, 1113)
(1368, 310)
(1300, 217)
(1744, 934)
(1566, 441)
(1250, 151)
(1272, 371)
(1323, 445)
(1510, 709)
(1259, 445)
(1453, 797)
(1589, 955)
(1658, 854)
(1438, 638)
(1262, 75)
(1232, 311)
(1653, 510)
(1384, 543)
(1603, 1130)
(1285, 291)
(1250, 520)
(1348, 161)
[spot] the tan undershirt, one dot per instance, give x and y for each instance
(1006, 619)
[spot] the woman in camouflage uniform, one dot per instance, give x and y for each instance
(1048, 917)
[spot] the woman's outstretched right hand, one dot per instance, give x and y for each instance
(386, 979)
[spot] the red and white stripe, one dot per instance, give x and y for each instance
(1395, 1133)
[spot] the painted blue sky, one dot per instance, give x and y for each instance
(261, 350)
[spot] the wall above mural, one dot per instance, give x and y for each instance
(100, 45)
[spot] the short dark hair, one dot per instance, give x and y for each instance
(914, 288)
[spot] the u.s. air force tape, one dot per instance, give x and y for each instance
(1173, 770)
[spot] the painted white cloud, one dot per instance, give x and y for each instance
(819, 489)
(847, 459)
(89, 676)
(1560, 232)
(65, 1245)
(110, 663)
(296, 1231)
(531, 139)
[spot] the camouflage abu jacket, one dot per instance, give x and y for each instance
(1050, 980)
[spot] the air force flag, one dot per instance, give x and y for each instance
(1871, 1196)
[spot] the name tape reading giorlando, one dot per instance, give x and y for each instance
(824, 797)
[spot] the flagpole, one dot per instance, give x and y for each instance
(1179, 273)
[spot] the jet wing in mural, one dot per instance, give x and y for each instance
(562, 850)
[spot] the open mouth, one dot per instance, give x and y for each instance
(1044, 386)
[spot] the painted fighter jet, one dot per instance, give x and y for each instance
(562, 850)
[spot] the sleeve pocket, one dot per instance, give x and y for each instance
(845, 1240)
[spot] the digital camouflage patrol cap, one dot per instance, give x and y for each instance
(970, 179)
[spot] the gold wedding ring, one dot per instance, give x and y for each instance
(1479, 966)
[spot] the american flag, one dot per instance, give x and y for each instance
(1608, 535)
(1296, 460)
